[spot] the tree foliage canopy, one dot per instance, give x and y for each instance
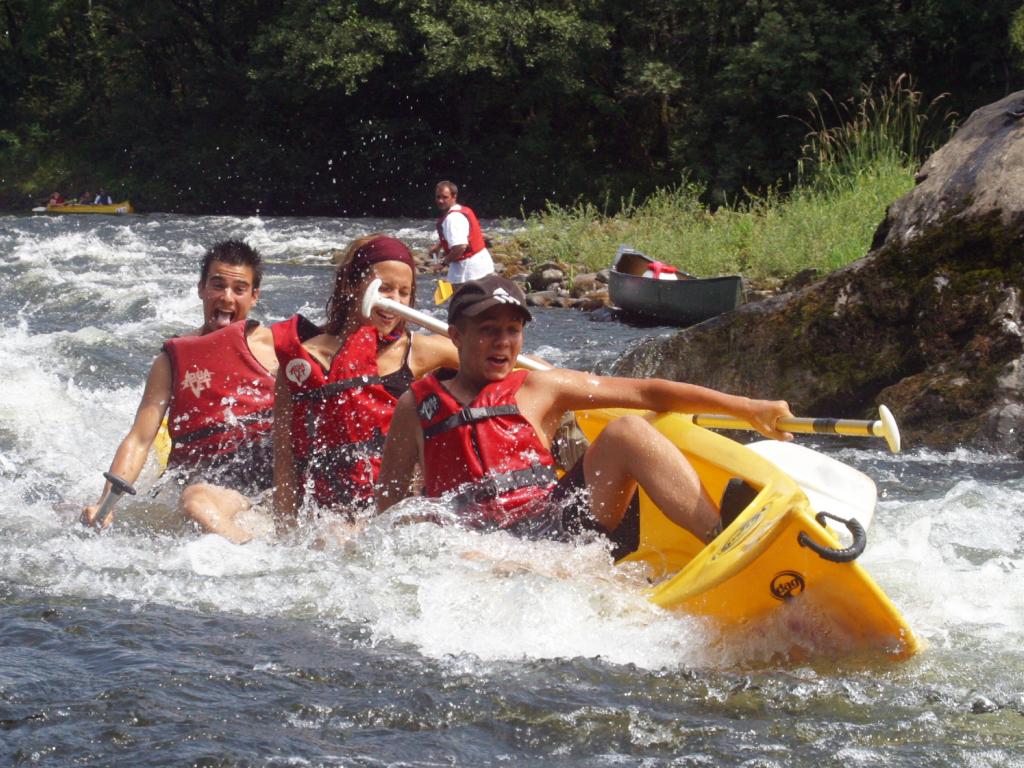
(350, 107)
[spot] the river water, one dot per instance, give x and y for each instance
(421, 646)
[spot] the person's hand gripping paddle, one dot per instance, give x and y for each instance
(118, 488)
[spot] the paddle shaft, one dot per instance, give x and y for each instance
(854, 427)
(885, 427)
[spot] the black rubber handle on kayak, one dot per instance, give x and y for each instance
(848, 555)
(118, 488)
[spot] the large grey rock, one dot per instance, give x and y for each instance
(930, 322)
(979, 171)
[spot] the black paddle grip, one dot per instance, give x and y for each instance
(119, 486)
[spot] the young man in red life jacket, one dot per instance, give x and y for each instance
(483, 433)
(216, 385)
(461, 242)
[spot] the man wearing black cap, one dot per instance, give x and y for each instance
(482, 434)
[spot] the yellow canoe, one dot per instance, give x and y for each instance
(776, 561)
(114, 209)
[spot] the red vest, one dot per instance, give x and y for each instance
(476, 235)
(339, 417)
(221, 395)
(487, 451)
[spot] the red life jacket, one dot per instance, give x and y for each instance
(221, 396)
(339, 417)
(476, 235)
(487, 451)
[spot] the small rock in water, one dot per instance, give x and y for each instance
(982, 705)
(541, 299)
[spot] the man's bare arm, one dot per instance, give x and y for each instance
(565, 390)
(402, 451)
(134, 448)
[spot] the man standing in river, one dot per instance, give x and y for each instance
(216, 385)
(461, 241)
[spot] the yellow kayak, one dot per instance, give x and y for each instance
(775, 561)
(114, 209)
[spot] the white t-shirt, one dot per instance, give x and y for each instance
(456, 232)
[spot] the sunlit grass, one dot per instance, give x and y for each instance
(849, 174)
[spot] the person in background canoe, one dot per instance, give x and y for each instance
(216, 386)
(461, 242)
(337, 384)
(482, 434)
(86, 198)
(56, 199)
(103, 198)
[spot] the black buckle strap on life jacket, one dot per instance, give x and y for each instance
(216, 429)
(328, 391)
(493, 486)
(469, 415)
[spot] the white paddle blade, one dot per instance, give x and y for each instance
(889, 430)
(370, 298)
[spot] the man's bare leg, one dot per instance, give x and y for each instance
(216, 510)
(630, 451)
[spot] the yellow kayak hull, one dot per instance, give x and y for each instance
(757, 570)
(114, 209)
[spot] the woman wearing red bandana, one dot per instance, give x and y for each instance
(338, 383)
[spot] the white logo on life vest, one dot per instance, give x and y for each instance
(197, 381)
(298, 370)
(505, 297)
(429, 407)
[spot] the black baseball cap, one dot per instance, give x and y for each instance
(476, 296)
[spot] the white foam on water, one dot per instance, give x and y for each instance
(949, 557)
(444, 591)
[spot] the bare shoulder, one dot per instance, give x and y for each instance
(260, 334)
(430, 352)
(161, 367)
(261, 343)
(159, 385)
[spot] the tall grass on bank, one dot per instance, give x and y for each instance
(848, 176)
